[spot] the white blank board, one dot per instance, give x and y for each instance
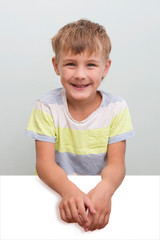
(29, 210)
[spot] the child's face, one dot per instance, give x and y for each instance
(81, 74)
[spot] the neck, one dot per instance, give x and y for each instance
(81, 110)
(95, 101)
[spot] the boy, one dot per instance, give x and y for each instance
(79, 129)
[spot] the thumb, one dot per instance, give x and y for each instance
(89, 205)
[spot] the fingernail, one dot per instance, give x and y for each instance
(86, 229)
(94, 210)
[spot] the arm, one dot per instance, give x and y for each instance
(74, 200)
(114, 172)
(112, 176)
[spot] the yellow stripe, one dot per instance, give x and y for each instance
(79, 142)
(41, 123)
(121, 123)
(82, 142)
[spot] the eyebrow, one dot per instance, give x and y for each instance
(74, 60)
(93, 60)
(69, 60)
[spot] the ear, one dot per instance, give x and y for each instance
(107, 66)
(55, 65)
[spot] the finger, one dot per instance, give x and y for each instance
(90, 205)
(90, 218)
(94, 225)
(82, 211)
(94, 222)
(75, 214)
(106, 220)
(68, 213)
(63, 215)
(101, 222)
(88, 224)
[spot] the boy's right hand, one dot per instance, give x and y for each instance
(73, 206)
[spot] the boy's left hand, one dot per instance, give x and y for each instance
(101, 199)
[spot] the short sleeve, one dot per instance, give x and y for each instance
(121, 126)
(41, 124)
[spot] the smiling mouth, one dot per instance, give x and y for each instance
(80, 86)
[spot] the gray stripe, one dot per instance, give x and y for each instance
(40, 137)
(121, 137)
(52, 97)
(109, 98)
(55, 96)
(81, 164)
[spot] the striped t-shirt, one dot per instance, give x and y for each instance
(80, 147)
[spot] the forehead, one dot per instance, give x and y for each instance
(86, 55)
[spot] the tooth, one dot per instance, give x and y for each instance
(80, 86)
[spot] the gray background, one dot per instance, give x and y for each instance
(26, 71)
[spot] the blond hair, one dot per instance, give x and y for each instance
(82, 35)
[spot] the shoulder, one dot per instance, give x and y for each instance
(52, 97)
(110, 99)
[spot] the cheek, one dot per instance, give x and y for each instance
(65, 74)
(97, 76)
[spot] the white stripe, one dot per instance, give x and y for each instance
(41, 106)
(102, 119)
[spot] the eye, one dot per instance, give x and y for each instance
(91, 65)
(70, 64)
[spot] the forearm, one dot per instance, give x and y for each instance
(55, 177)
(113, 175)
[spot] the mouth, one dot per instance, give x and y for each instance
(79, 86)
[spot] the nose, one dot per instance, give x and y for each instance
(80, 73)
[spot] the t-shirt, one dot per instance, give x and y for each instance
(80, 146)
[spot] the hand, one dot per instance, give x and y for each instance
(101, 199)
(73, 206)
